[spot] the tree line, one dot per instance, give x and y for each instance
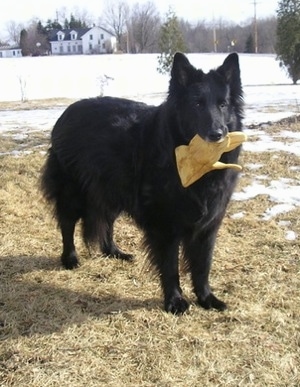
(138, 30)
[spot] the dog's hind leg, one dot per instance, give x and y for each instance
(69, 256)
(67, 218)
(98, 230)
(109, 247)
(198, 255)
(68, 212)
(63, 193)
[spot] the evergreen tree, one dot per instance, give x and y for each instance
(288, 37)
(170, 41)
(24, 44)
(53, 25)
(66, 24)
(41, 30)
(76, 23)
(250, 49)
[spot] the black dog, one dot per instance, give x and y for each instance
(110, 155)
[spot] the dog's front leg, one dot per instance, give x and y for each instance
(163, 253)
(198, 253)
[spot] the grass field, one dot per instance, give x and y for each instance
(103, 324)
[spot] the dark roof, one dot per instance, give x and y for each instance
(80, 31)
(52, 35)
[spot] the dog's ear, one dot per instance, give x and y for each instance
(181, 69)
(230, 69)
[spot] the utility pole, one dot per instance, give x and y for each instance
(215, 39)
(255, 28)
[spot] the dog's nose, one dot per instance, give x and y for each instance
(216, 135)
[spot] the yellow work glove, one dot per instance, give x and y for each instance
(200, 157)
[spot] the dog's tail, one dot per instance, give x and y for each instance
(51, 178)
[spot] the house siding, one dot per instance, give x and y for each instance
(10, 53)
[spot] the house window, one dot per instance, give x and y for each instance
(91, 37)
(61, 49)
(90, 46)
(102, 36)
(103, 46)
(14, 53)
(69, 48)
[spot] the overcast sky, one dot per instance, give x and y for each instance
(22, 11)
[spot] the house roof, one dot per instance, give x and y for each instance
(109, 32)
(7, 48)
(67, 33)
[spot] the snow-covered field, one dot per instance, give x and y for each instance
(269, 93)
(269, 96)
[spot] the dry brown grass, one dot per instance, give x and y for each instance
(103, 324)
(35, 104)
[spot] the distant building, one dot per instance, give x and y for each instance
(77, 41)
(10, 52)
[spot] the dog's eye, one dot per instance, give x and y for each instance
(223, 104)
(200, 104)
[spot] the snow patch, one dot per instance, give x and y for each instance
(290, 235)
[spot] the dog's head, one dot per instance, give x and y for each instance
(209, 104)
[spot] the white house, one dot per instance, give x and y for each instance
(95, 40)
(10, 52)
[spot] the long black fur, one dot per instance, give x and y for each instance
(112, 155)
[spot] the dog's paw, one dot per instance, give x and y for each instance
(125, 256)
(212, 301)
(114, 252)
(70, 261)
(176, 305)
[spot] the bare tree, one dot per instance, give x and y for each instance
(266, 35)
(144, 27)
(199, 38)
(14, 30)
(115, 19)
